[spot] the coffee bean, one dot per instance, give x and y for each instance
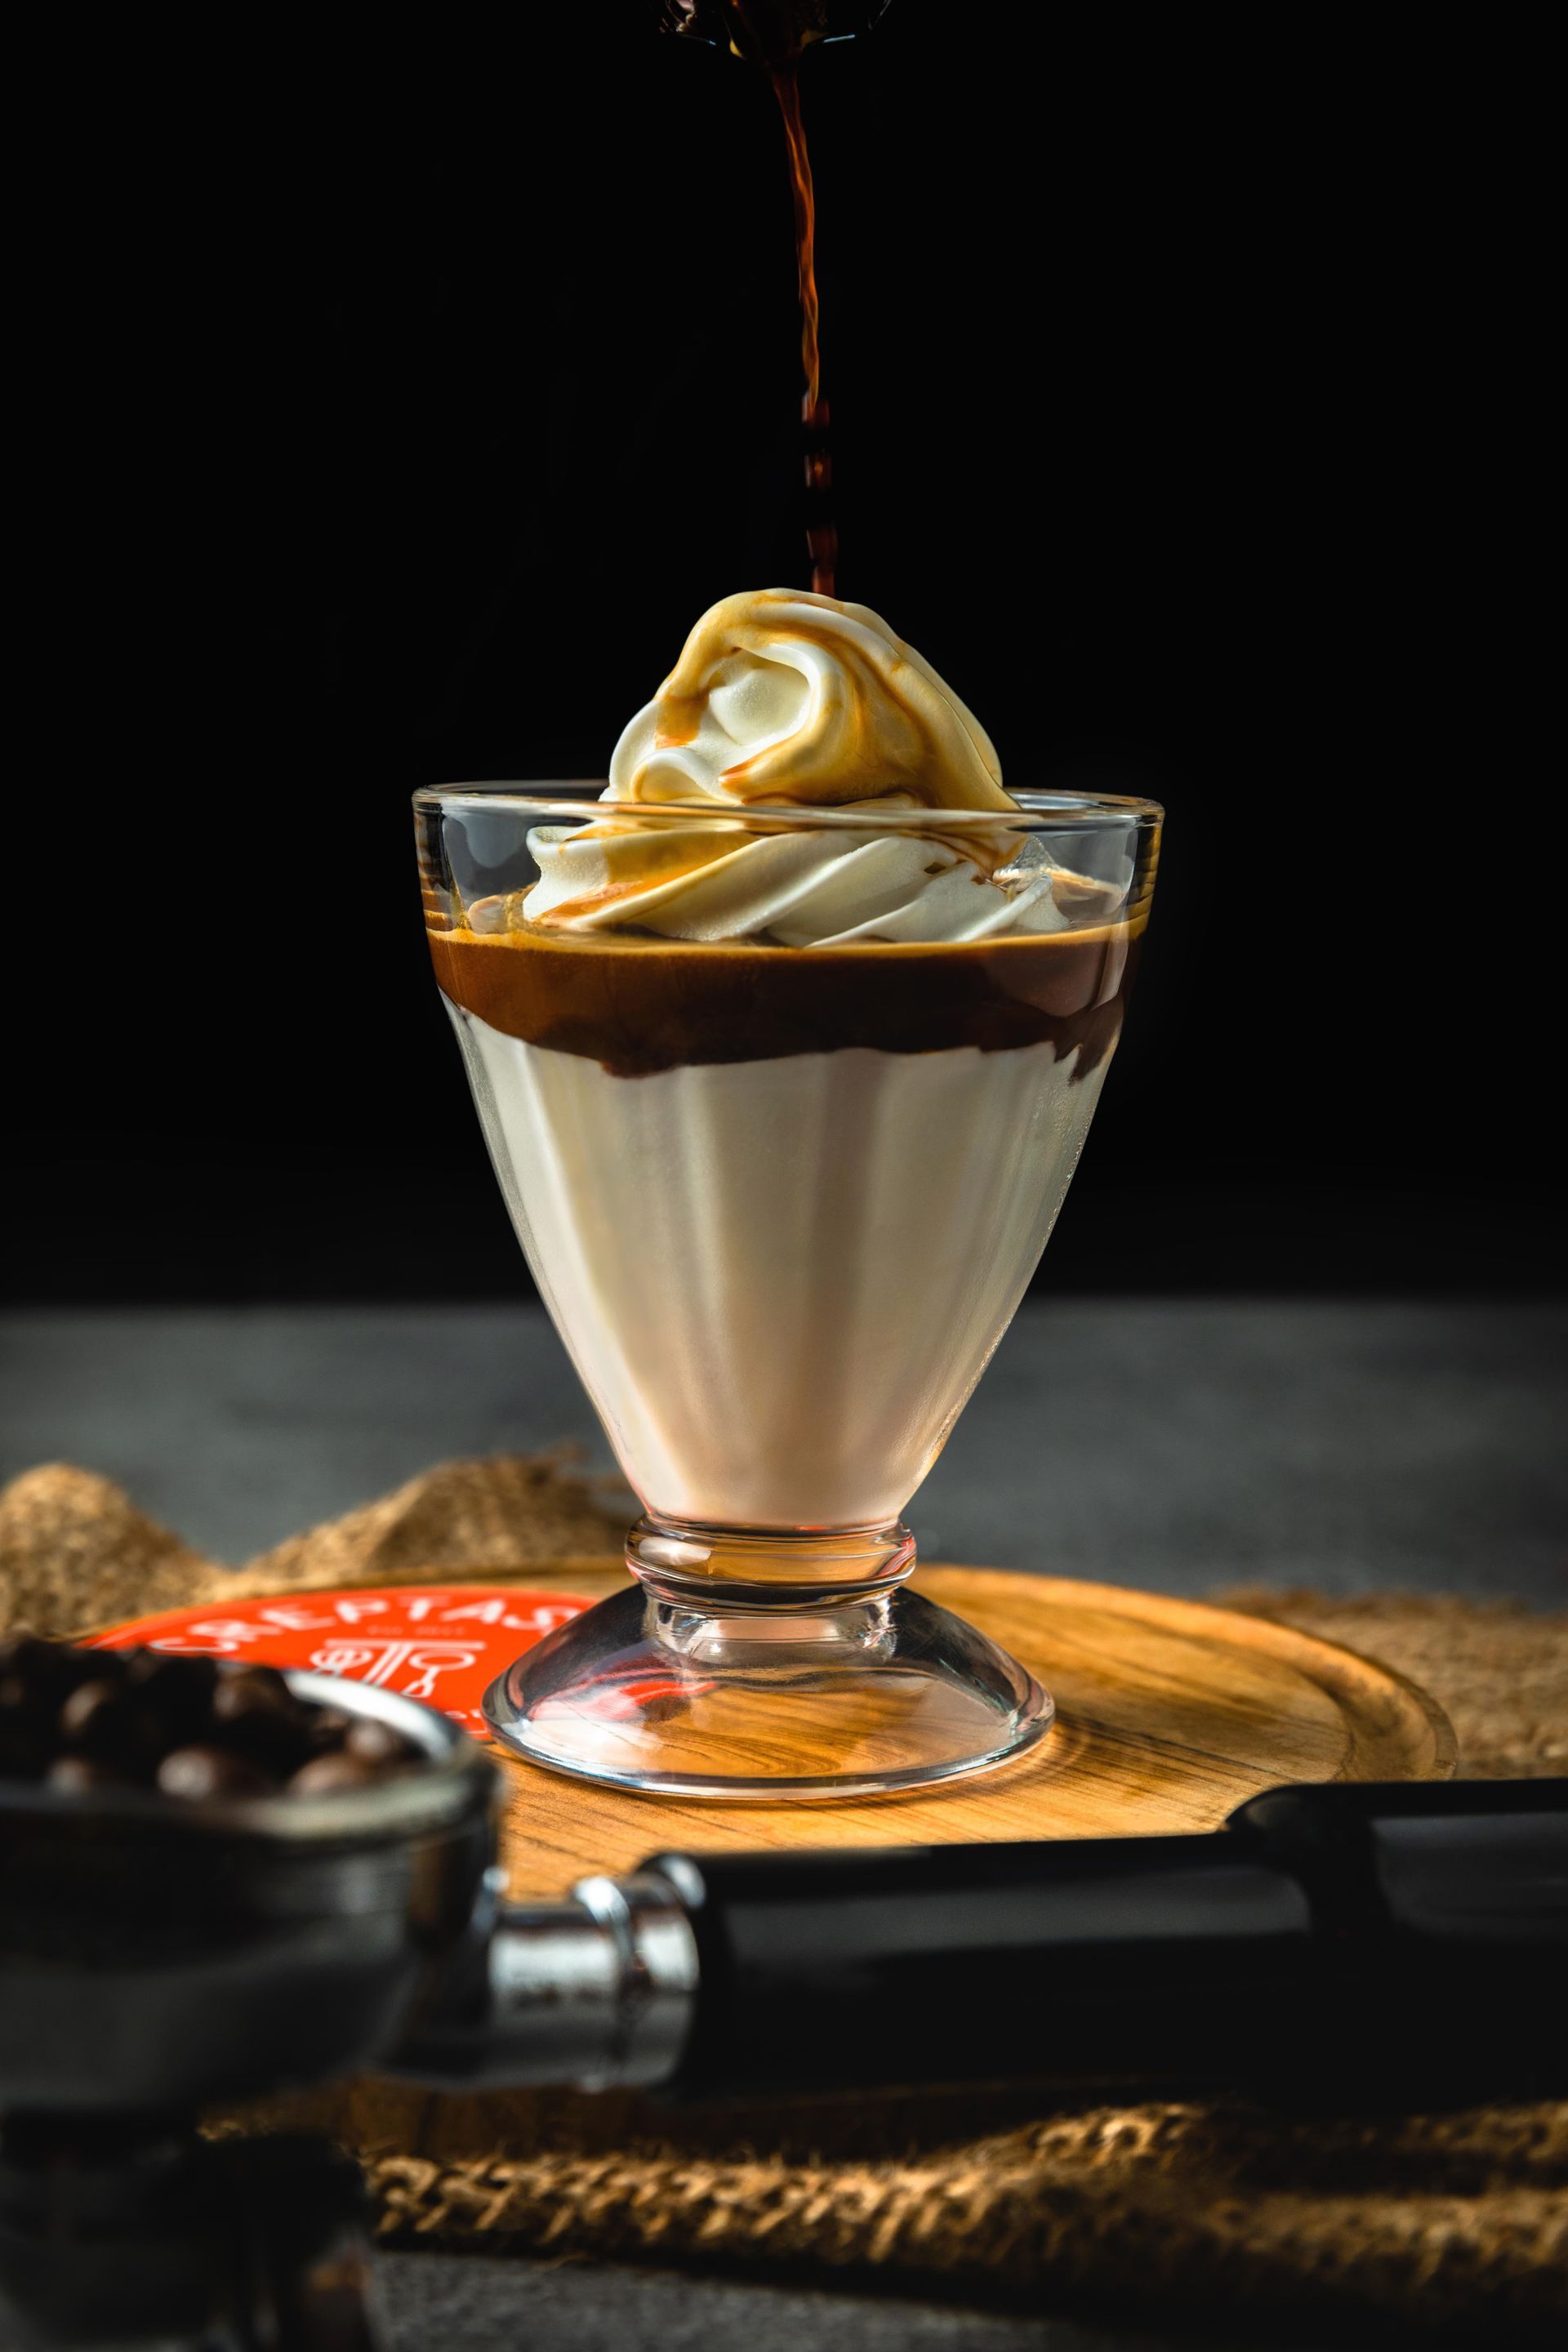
(83, 1719)
(250, 1690)
(20, 1653)
(172, 1698)
(21, 1699)
(25, 1746)
(255, 1712)
(376, 1743)
(324, 1775)
(49, 1669)
(196, 1773)
(330, 1726)
(96, 1718)
(180, 1684)
(82, 1775)
(254, 1697)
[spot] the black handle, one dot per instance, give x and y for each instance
(1343, 1939)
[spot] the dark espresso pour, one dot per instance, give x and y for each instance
(821, 531)
(775, 33)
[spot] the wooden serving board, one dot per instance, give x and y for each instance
(1169, 1714)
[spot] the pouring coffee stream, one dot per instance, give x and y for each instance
(821, 531)
(776, 34)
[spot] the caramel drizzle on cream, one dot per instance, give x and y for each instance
(878, 719)
(781, 698)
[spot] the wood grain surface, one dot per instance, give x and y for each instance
(1169, 1715)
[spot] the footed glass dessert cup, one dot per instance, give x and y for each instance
(784, 1103)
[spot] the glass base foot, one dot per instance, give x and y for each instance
(676, 1691)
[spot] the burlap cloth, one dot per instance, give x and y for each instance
(1452, 2222)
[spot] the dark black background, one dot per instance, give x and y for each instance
(395, 403)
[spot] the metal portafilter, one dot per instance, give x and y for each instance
(1372, 1944)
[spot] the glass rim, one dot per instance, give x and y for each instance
(573, 797)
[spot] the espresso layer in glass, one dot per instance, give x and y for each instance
(638, 1004)
(781, 1203)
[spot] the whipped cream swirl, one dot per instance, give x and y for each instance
(784, 699)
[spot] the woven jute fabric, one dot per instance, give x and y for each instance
(1455, 2223)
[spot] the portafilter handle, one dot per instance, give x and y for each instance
(597, 1990)
(1391, 1942)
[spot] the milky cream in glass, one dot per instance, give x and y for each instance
(783, 1096)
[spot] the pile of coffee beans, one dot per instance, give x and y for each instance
(191, 1727)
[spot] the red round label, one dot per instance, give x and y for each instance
(443, 1643)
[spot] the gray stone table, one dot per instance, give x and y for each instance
(1176, 1445)
(1173, 1445)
